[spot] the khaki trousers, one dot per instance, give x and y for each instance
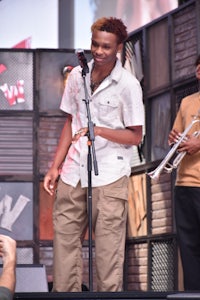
(70, 219)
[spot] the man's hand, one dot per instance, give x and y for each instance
(50, 179)
(174, 137)
(191, 145)
(8, 254)
(81, 132)
(7, 250)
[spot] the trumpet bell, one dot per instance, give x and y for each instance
(154, 175)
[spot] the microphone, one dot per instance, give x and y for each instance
(82, 60)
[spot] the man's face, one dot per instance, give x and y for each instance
(104, 47)
(198, 72)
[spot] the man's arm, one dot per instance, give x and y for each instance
(8, 254)
(62, 149)
(128, 136)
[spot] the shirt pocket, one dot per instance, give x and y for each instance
(109, 108)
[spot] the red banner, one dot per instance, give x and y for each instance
(24, 44)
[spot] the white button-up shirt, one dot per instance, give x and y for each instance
(117, 104)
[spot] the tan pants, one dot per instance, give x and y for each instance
(109, 216)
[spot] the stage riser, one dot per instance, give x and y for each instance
(93, 296)
(108, 296)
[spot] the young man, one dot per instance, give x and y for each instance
(187, 188)
(117, 111)
(8, 275)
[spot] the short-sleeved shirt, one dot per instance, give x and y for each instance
(117, 104)
(188, 173)
(5, 293)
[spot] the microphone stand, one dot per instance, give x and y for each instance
(91, 150)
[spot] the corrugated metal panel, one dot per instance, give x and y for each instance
(16, 145)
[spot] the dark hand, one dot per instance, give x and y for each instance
(173, 137)
(78, 134)
(191, 146)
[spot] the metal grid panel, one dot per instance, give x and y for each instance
(163, 265)
(24, 256)
(16, 80)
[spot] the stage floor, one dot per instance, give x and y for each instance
(108, 295)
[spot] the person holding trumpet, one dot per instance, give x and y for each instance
(187, 187)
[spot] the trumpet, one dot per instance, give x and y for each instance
(165, 164)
